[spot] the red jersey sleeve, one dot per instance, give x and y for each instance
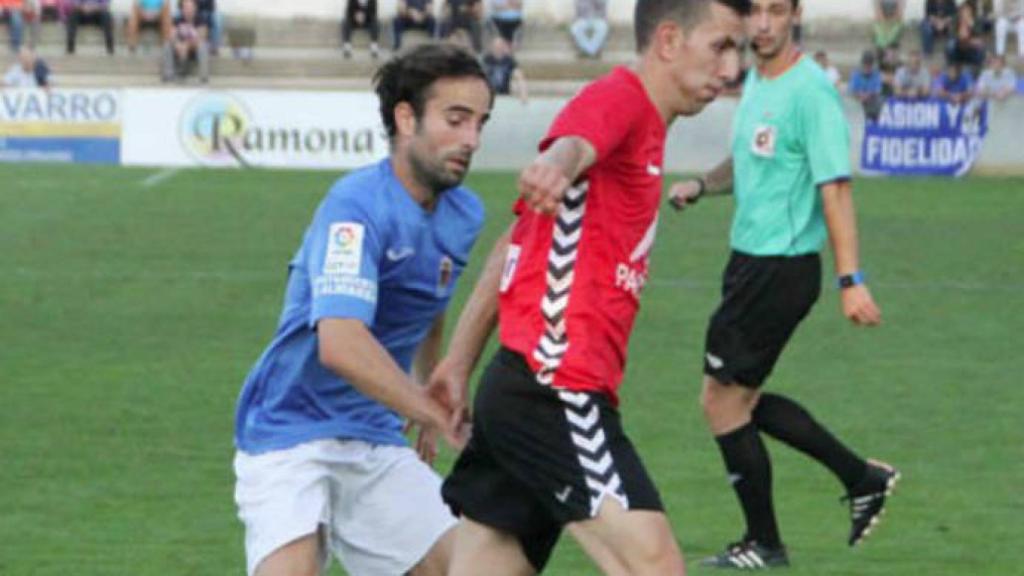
(603, 114)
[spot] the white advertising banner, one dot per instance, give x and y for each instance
(251, 128)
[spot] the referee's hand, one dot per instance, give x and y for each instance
(543, 186)
(859, 307)
(684, 193)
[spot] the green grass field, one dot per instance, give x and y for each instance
(129, 315)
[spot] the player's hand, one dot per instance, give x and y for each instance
(859, 307)
(684, 193)
(543, 186)
(449, 385)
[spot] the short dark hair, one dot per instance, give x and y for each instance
(409, 76)
(687, 13)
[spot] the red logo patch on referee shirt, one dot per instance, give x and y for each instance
(764, 141)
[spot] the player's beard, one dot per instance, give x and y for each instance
(433, 173)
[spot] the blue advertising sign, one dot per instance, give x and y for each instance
(924, 137)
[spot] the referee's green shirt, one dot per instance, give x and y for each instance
(789, 137)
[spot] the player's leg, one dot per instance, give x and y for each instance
(630, 542)
(301, 557)
(387, 516)
(282, 499)
(479, 545)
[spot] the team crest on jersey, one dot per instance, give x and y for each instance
(344, 248)
(444, 275)
(764, 141)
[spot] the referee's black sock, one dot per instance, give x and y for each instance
(787, 421)
(750, 473)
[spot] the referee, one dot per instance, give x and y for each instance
(790, 174)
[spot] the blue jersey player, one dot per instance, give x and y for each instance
(322, 465)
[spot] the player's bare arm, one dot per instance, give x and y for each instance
(544, 182)
(427, 356)
(840, 217)
(449, 382)
(349, 349)
(717, 182)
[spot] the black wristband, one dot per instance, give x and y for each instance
(700, 191)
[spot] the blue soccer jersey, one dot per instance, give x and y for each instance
(374, 254)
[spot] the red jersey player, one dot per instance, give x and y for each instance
(548, 450)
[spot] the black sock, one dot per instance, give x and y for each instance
(750, 472)
(787, 421)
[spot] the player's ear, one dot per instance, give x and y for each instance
(405, 119)
(668, 39)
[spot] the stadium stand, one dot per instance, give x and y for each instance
(305, 51)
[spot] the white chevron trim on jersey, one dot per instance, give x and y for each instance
(565, 237)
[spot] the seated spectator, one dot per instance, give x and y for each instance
(939, 17)
(413, 15)
(590, 29)
(888, 63)
(507, 18)
(95, 12)
(503, 71)
(28, 72)
(968, 48)
(1010, 18)
(12, 10)
(188, 45)
(155, 14)
(831, 72)
(866, 85)
(984, 16)
(913, 80)
(997, 81)
(361, 14)
(888, 28)
(955, 84)
(208, 13)
(465, 15)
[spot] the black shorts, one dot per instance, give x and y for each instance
(764, 298)
(540, 458)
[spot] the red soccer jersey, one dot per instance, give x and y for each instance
(571, 285)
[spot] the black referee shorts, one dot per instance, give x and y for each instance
(764, 298)
(540, 458)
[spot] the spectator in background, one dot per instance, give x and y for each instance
(209, 14)
(997, 82)
(939, 17)
(361, 14)
(94, 12)
(188, 44)
(984, 16)
(154, 14)
(503, 71)
(413, 15)
(912, 79)
(13, 11)
(590, 29)
(888, 63)
(968, 47)
(465, 15)
(955, 84)
(28, 72)
(866, 85)
(888, 28)
(507, 18)
(831, 72)
(1010, 17)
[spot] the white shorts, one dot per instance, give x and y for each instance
(378, 509)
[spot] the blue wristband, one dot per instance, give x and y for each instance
(850, 280)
